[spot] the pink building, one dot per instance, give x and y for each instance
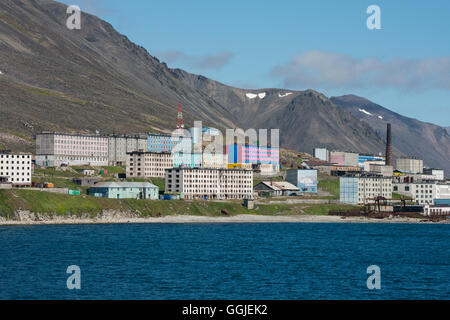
(56, 149)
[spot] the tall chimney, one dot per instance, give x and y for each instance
(389, 146)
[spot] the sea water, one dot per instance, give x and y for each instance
(226, 261)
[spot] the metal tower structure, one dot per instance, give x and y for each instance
(180, 122)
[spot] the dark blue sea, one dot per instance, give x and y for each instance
(226, 261)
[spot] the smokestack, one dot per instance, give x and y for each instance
(389, 146)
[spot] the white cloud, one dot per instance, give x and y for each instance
(333, 70)
(215, 61)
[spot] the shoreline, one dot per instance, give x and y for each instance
(189, 219)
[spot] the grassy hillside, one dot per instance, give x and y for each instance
(66, 205)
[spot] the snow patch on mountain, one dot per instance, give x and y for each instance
(261, 95)
(366, 112)
(284, 95)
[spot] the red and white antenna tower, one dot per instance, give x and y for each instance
(180, 123)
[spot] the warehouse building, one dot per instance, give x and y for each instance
(125, 190)
(197, 183)
(364, 188)
(276, 188)
(15, 169)
(55, 149)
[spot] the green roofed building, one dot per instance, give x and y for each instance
(125, 190)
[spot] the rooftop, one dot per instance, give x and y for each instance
(280, 185)
(113, 184)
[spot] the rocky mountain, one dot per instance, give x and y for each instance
(412, 137)
(306, 119)
(53, 78)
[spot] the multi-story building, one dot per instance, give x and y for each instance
(410, 165)
(55, 149)
(364, 160)
(16, 168)
(244, 156)
(423, 192)
(168, 143)
(322, 154)
(344, 158)
(196, 183)
(385, 171)
(214, 160)
(119, 146)
(188, 160)
(436, 174)
(148, 164)
(363, 189)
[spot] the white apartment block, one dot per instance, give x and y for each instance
(423, 192)
(371, 187)
(148, 164)
(56, 149)
(17, 168)
(435, 174)
(119, 146)
(410, 165)
(196, 183)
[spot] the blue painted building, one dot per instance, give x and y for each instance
(125, 190)
(305, 180)
(364, 157)
(349, 190)
(167, 143)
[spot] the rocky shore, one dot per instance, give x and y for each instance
(114, 217)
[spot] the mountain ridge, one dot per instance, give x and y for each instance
(97, 79)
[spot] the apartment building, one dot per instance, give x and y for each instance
(362, 189)
(16, 168)
(119, 146)
(189, 160)
(55, 149)
(214, 160)
(410, 165)
(245, 156)
(423, 192)
(203, 183)
(168, 143)
(344, 158)
(148, 164)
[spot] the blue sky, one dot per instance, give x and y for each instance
(322, 45)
